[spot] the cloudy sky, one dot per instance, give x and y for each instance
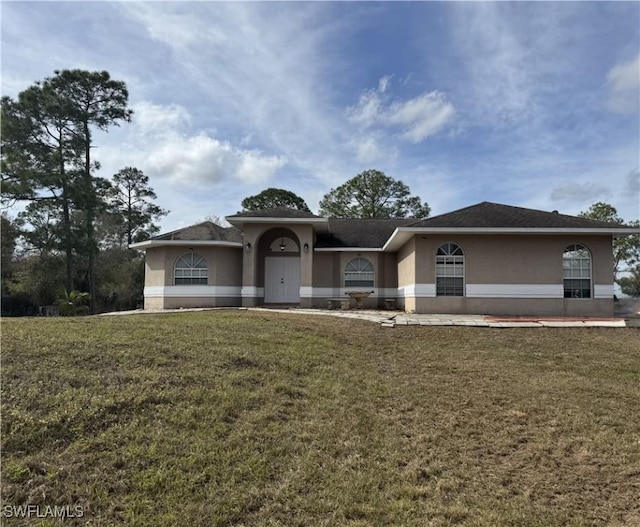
(527, 104)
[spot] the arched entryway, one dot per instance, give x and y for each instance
(279, 249)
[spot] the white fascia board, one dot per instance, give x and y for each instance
(348, 249)
(402, 234)
(183, 243)
(398, 238)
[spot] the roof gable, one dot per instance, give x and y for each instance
(206, 231)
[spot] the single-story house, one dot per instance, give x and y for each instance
(485, 259)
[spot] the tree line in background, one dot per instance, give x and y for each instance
(370, 194)
(74, 231)
(70, 244)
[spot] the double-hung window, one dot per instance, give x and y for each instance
(449, 270)
(576, 272)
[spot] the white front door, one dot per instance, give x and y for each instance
(281, 280)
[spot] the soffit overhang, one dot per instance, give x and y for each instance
(403, 234)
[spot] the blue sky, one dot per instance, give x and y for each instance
(527, 104)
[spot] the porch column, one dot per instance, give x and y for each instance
(249, 289)
(306, 267)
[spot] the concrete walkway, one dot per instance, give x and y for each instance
(391, 319)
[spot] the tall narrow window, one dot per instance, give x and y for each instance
(359, 273)
(576, 272)
(191, 269)
(449, 270)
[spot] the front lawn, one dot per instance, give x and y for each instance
(264, 419)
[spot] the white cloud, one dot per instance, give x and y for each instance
(370, 149)
(424, 116)
(632, 184)
(418, 118)
(152, 118)
(368, 111)
(580, 192)
(203, 159)
(159, 143)
(254, 167)
(623, 81)
(383, 83)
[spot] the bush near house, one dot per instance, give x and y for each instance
(247, 418)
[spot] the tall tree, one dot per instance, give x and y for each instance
(45, 235)
(373, 194)
(626, 249)
(630, 285)
(39, 151)
(131, 197)
(101, 102)
(272, 198)
(9, 233)
(46, 152)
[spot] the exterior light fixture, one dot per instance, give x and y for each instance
(306, 247)
(282, 245)
(247, 247)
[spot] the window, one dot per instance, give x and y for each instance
(576, 272)
(359, 273)
(449, 270)
(191, 269)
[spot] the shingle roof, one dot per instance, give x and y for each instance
(206, 231)
(494, 215)
(359, 232)
(374, 233)
(279, 212)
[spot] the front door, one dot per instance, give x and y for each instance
(282, 280)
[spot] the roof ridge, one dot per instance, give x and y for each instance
(550, 212)
(263, 213)
(486, 213)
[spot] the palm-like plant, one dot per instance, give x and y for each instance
(73, 303)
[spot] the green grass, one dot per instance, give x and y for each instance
(262, 419)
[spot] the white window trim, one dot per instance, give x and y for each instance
(361, 273)
(464, 269)
(190, 269)
(591, 286)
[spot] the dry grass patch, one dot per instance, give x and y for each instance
(259, 419)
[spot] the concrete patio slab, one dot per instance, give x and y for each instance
(390, 319)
